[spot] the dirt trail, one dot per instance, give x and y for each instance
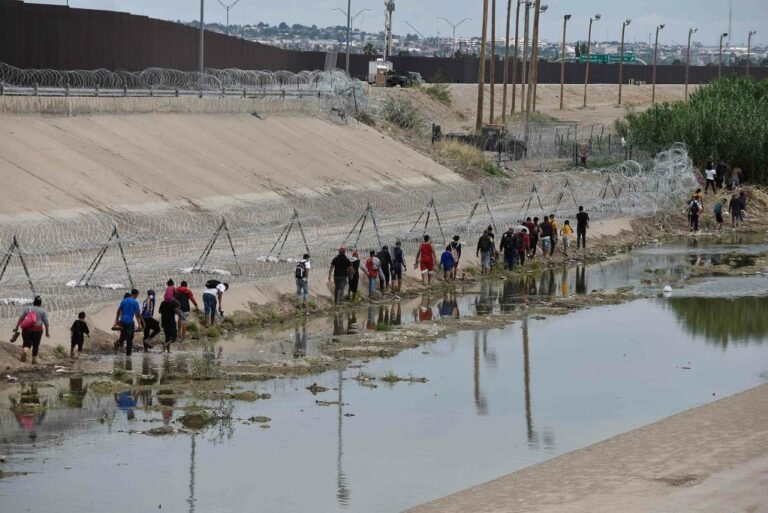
(709, 459)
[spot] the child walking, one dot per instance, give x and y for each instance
(79, 330)
(446, 262)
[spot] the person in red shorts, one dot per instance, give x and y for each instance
(425, 261)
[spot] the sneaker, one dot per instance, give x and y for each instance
(15, 336)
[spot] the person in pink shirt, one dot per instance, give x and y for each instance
(170, 291)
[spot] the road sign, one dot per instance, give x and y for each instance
(601, 58)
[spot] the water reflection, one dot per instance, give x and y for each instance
(723, 320)
(29, 409)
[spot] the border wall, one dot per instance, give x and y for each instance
(63, 38)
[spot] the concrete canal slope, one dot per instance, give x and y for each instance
(713, 458)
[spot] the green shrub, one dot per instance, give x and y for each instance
(723, 121)
(193, 327)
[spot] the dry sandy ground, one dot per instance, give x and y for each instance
(711, 459)
(66, 164)
(602, 107)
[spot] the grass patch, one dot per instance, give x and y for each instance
(60, 352)
(469, 159)
(382, 326)
(213, 332)
(193, 327)
(440, 93)
(533, 117)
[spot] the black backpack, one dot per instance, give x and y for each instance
(212, 284)
(183, 300)
(301, 271)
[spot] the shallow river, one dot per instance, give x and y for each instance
(495, 401)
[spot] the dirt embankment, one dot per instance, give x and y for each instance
(56, 166)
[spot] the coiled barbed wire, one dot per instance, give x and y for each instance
(58, 251)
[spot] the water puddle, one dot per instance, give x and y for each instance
(391, 433)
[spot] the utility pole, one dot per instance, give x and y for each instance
(524, 82)
(506, 65)
(562, 62)
(621, 62)
(542, 10)
(596, 17)
(720, 55)
(481, 74)
(749, 49)
(655, 57)
(691, 32)
(493, 63)
(534, 60)
(227, 8)
(514, 58)
(350, 22)
(201, 61)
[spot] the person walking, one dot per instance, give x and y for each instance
(169, 310)
(301, 274)
(545, 235)
(718, 210)
(151, 326)
(483, 252)
(170, 291)
(522, 245)
(354, 275)
(340, 270)
(710, 174)
(554, 236)
(693, 214)
(582, 224)
(186, 298)
(79, 330)
(535, 233)
(566, 232)
(33, 323)
(456, 253)
(213, 296)
(128, 310)
(371, 270)
(425, 260)
(446, 263)
(720, 173)
(742, 206)
(509, 246)
(734, 208)
(385, 276)
(398, 267)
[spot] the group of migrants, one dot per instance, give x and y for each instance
(384, 270)
(174, 310)
(718, 179)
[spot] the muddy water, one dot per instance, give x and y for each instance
(495, 401)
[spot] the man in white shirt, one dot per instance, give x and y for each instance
(212, 297)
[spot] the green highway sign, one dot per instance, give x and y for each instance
(601, 58)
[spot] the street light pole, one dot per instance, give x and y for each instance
(349, 28)
(562, 62)
(749, 49)
(655, 57)
(621, 61)
(691, 32)
(720, 55)
(589, 51)
(514, 57)
(227, 8)
(481, 71)
(453, 26)
(201, 58)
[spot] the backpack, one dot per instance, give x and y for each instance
(485, 243)
(301, 271)
(183, 300)
(212, 284)
(147, 308)
(29, 321)
(455, 252)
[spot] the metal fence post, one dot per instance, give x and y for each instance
(97, 90)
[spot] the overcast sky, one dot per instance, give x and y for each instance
(710, 16)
